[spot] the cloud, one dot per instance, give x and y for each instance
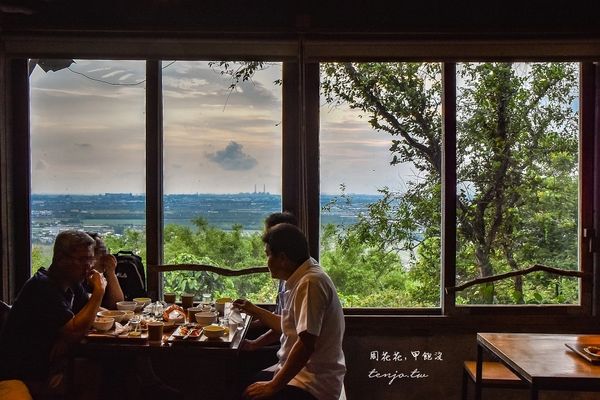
(232, 158)
(83, 145)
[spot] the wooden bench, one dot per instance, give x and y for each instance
(494, 374)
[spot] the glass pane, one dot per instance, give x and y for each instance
(87, 152)
(380, 182)
(222, 173)
(517, 180)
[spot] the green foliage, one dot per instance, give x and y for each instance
(40, 257)
(209, 245)
(516, 172)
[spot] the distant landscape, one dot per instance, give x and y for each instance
(115, 212)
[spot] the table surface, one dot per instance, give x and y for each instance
(543, 360)
(109, 343)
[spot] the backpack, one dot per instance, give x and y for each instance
(131, 275)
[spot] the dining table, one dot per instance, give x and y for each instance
(193, 365)
(545, 361)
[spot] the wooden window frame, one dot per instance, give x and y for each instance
(300, 192)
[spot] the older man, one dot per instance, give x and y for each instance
(51, 310)
(311, 361)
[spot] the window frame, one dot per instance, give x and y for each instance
(300, 187)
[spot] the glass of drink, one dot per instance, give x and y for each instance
(187, 300)
(155, 331)
(206, 298)
(169, 298)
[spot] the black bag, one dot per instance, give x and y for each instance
(131, 275)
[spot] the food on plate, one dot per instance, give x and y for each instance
(595, 350)
(188, 331)
(174, 313)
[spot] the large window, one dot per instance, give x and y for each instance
(517, 180)
(230, 149)
(87, 152)
(222, 173)
(380, 180)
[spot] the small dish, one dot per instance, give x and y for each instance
(593, 351)
(184, 331)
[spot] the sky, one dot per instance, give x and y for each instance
(88, 135)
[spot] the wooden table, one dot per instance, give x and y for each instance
(541, 360)
(191, 367)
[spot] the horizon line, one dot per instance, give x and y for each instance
(192, 194)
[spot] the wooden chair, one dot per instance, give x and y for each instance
(494, 375)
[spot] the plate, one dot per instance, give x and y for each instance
(183, 330)
(587, 351)
(593, 351)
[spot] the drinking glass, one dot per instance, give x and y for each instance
(206, 298)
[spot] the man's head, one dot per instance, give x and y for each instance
(286, 248)
(285, 217)
(100, 249)
(73, 256)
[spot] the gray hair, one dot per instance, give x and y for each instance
(68, 241)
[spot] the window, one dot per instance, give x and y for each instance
(87, 152)
(523, 159)
(380, 236)
(517, 185)
(222, 174)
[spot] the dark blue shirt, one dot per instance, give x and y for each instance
(33, 326)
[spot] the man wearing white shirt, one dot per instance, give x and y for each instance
(311, 361)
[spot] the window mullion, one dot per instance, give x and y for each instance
(154, 173)
(448, 257)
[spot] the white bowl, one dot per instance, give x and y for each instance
(116, 314)
(213, 331)
(206, 318)
(103, 323)
(126, 305)
(128, 315)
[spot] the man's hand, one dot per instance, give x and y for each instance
(247, 307)
(109, 263)
(96, 281)
(260, 390)
(248, 345)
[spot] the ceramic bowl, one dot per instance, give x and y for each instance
(126, 305)
(103, 323)
(128, 315)
(117, 315)
(206, 318)
(213, 331)
(142, 302)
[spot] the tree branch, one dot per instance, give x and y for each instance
(208, 268)
(535, 268)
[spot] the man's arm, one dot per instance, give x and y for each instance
(270, 320)
(267, 338)
(299, 356)
(77, 326)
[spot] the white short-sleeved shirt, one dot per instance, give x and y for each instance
(311, 304)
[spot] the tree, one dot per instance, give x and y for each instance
(517, 135)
